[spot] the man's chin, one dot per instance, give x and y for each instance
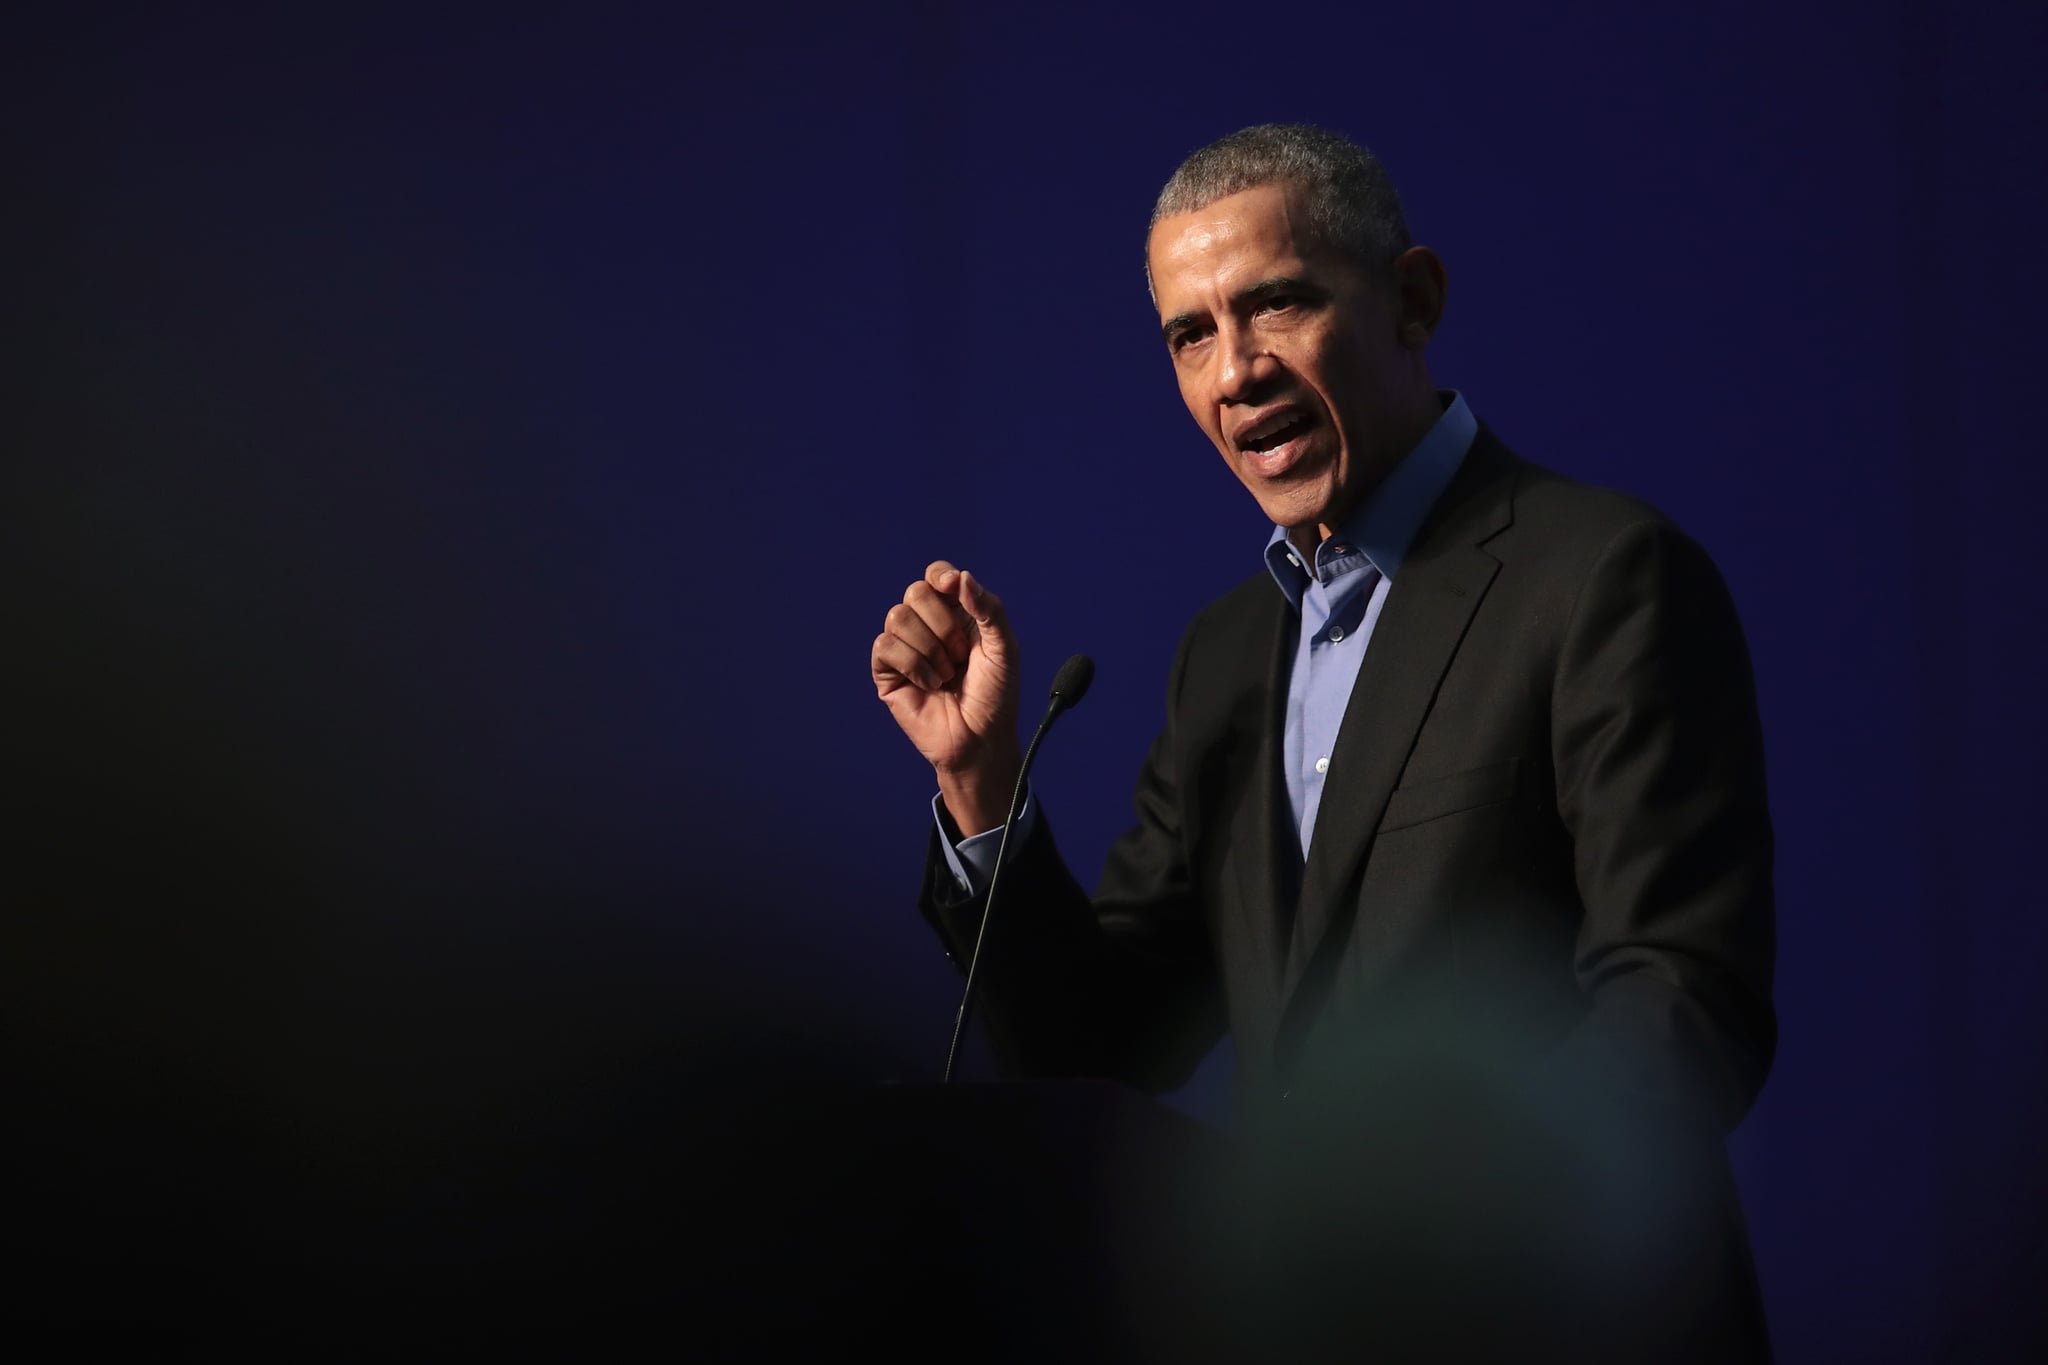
(1295, 508)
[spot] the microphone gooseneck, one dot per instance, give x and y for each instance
(1069, 685)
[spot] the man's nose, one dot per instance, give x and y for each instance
(1243, 365)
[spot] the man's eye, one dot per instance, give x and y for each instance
(1277, 303)
(1190, 337)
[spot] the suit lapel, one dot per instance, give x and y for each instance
(1265, 848)
(1440, 585)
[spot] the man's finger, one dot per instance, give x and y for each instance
(895, 662)
(906, 624)
(942, 616)
(945, 579)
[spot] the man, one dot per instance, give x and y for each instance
(1457, 821)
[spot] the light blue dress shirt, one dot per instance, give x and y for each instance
(1339, 599)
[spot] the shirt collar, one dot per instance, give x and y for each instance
(1384, 525)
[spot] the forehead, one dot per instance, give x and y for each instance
(1234, 242)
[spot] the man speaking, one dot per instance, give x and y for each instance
(1456, 823)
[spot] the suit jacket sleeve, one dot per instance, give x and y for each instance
(1658, 757)
(1121, 985)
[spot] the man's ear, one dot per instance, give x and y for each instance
(1419, 286)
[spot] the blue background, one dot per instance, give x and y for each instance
(459, 462)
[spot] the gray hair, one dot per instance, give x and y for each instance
(1350, 199)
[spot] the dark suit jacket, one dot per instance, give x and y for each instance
(1539, 889)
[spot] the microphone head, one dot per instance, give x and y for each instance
(1070, 684)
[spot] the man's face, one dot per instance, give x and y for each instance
(1289, 357)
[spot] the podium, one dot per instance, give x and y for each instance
(1071, 1221)
(1081, 1221)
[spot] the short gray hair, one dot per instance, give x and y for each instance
(1350, 199)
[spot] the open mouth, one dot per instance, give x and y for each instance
(1273, 442)
(1274, 432)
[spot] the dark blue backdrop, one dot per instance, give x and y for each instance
(459, 463)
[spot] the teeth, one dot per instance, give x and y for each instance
(1267, 430)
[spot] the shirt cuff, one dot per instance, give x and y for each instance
(972, 861)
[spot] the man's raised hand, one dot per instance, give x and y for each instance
(946, 666)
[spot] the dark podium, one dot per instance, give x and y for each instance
(1080, 1221)
(1073, 1220)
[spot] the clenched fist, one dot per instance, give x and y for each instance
(946, 666)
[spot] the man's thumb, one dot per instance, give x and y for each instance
(986, 611)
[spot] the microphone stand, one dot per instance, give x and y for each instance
(1069, 685)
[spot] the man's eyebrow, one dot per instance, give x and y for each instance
(1276, 284)
(1255, 293)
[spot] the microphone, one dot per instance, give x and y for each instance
(1069, 685)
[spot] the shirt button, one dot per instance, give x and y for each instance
(1323, 764)
(1336, 634)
